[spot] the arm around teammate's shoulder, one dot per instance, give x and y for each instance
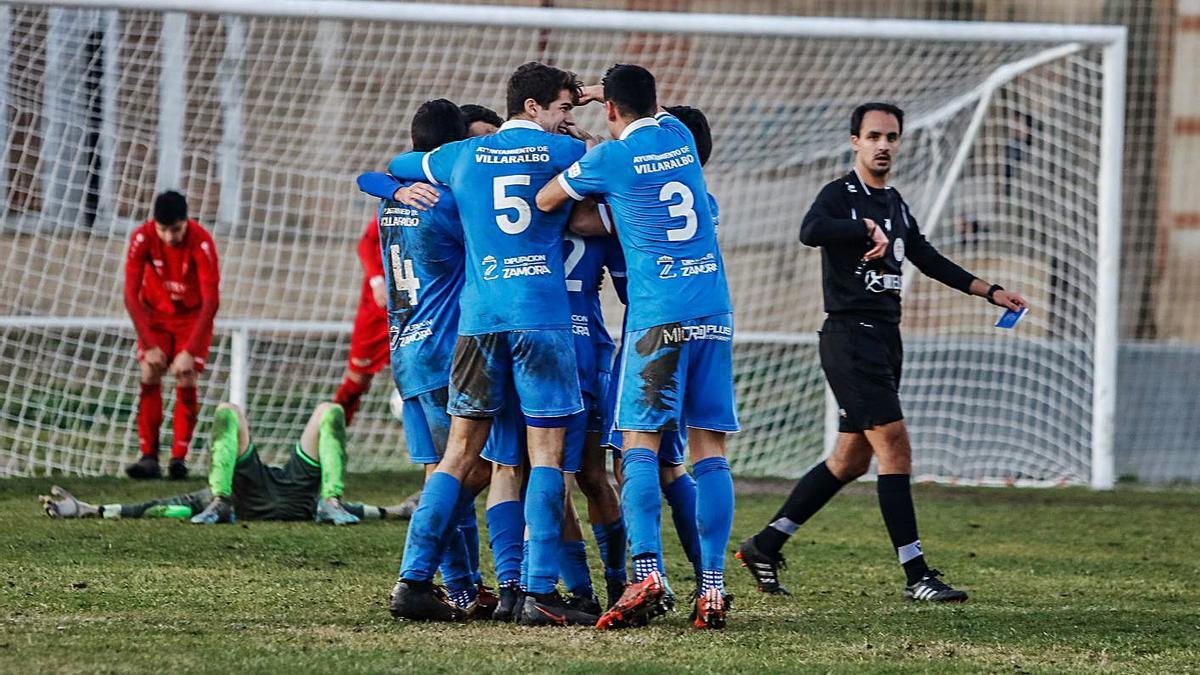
(828, 220)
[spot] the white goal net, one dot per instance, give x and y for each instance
(263, 118)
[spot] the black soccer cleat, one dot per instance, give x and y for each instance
(146, 468)
(588, 604)
(510, 602)
(551, 611)
(177, 470)
(764, 568)
(932, 589)
(614, 588)
(417, 601)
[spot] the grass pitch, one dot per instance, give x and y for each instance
(1060, 580)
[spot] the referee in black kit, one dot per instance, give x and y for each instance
(865, 231)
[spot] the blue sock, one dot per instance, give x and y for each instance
(435, 513)
(641, 503)
(456, 559)
(469, 527)
(524, 565)
(681, 496)
(573, 565)
(610, 539)
(506, 527)
(543, 517)
(714, 518)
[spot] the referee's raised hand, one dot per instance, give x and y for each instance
(879, 240)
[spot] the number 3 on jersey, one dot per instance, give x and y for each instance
(403, 277)
(502, 201)
(684, 209)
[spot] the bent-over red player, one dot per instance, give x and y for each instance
(369, 339)
(171, 293)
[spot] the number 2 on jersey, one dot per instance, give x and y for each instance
(578, 246)
(403, 277)
(684, 209)
(502, 201)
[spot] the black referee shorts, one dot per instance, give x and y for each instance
(862, 359)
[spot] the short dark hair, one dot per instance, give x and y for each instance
(861, 111)
(631, 88)
(541, 83)
(697, 123)
(436, 123)
(170, 207)
(477, 113)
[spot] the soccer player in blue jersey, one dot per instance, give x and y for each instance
(678, 363)
(514, 329)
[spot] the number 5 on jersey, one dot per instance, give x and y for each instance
(403, 277)
(502, 201)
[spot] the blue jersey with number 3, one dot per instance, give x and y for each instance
(515, 277)
(423, 271)
(652, 181)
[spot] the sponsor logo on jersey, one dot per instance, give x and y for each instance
(691, 267)
(579, 325)
(574, 170)
(412, 333)
(532, 154)
(666, 161)
(525, 266)
(703, 331)
(489, 268)
(666, 267)
(877, 282)
(898, 249)
(399, 216)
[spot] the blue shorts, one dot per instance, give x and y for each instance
(671, 449)
(426, 426)
(506, 444)
(678, 371)
(538, 365)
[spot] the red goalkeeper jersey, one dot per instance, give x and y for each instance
(172, 285)
(371, 257)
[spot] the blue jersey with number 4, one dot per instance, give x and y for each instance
(423, 271)
(652, 181)
(515, 277)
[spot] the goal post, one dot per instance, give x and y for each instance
(262, 113)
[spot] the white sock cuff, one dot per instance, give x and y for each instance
(371, 512)
(910, 551)
(111, 511)
(786, 525)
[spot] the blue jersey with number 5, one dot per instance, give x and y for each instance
(652, 181)
(515, 277)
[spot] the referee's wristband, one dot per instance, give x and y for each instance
(991, 292)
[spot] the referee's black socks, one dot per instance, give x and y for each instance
(896, 505)
(811, 493)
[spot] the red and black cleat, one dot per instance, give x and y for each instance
(709, 609)
(638, 601)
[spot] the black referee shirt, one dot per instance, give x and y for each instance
(835, 223)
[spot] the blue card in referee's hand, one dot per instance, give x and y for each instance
(1010, 318)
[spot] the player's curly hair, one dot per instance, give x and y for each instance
(861, 111)
(541, 83)
(477, 113)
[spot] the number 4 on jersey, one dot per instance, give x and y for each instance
(403, 277)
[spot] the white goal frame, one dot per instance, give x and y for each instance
(1059, 39)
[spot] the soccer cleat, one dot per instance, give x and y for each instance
(932, 589)
(219, 510)
(552, 611)
(177, 470)
(417, 601)
(510, 602)
(584, 603)
(638, 602)
(486, 602)
(764, 568)
(146, 468)
(408, 506)
(331, 510)
(709, 608)
(62, 504)
(614, 589)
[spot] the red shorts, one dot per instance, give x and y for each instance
(369, 340)
(172, 338)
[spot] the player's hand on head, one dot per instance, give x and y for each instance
(1009, 300)
(592, 92)
(879, 240)
(418, 195)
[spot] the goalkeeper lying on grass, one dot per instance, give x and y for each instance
(307, 487)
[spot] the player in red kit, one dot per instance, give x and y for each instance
(369, 339)
(171, 294)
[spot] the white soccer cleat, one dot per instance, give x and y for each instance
(63, 504)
